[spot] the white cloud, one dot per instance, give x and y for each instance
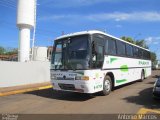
(64, 19)
(154, 43)
(115, 16)
(153, 40)
(108, 16)
(133, 16)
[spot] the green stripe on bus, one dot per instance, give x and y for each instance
(113, 59)
(120, 81)
(124, 68)
(81, 73)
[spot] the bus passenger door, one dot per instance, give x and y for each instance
(97, 64)
(97, 56)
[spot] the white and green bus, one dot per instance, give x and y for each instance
(93, 61)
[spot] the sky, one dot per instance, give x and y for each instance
(139, 19)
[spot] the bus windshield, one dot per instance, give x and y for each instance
(71, 53)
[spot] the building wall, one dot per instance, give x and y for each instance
(16, 73)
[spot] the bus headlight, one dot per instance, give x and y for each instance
(85, 78)
(82, 78)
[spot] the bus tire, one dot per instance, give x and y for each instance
(107, 86)
(142, 76)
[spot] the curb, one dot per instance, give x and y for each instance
(24, 90)
(145, 111)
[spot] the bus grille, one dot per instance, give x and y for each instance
(61, 78)
(67, 86)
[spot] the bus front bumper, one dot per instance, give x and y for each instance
(73, 86)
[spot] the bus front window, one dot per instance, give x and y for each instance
(74, 53)
(57, 56)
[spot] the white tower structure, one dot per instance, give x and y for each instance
(25, 22)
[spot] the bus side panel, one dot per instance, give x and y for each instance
(126, 70)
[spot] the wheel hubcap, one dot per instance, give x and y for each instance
(107, 85)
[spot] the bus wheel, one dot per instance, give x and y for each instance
(142, 76)
(107, 86)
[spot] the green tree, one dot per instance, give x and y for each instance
(154, 57)
(8, 51)
(2, 51)
(141, 43)
(128, 39)
(12, 51)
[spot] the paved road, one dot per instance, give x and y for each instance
(127, 99)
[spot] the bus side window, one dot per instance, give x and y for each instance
(100, 56)
(121, 48)
(136, 55)
(146, 55)
(129, 50)
(111, 47)
(140, 53)
(106, 47)
(100, 53)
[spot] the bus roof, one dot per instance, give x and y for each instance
(94, 32)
